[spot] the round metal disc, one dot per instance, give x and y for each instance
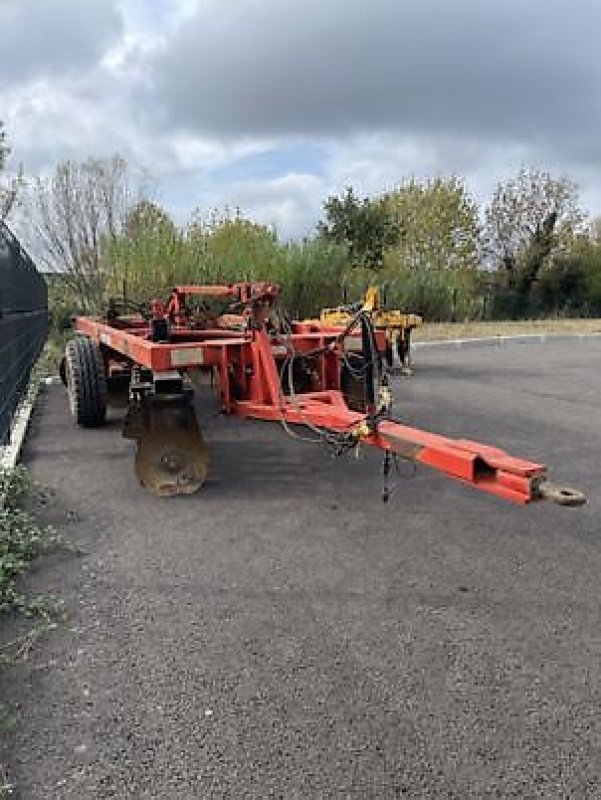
(172, 461)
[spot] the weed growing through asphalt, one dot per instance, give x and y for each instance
(22, 540)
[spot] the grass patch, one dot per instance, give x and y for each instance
(48, 363)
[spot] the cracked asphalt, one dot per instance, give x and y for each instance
(283, 634)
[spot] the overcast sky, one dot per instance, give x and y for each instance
(271, 105)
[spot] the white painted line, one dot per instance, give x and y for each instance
(500, 340)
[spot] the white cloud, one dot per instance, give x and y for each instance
(193, 90)
(290, 204)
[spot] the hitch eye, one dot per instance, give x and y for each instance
(562, 495)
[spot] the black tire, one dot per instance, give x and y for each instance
(86, 382)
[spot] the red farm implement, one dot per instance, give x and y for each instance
(264, 366)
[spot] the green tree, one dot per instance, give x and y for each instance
(152, 254)
(238, 249)
(149, 254)
(364, 227)
(562, 286)
(312, 275)
(531, 218)
(440, 225)
(148, 218)
(576, 277)
(532, 224)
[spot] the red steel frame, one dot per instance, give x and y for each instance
(247, 361)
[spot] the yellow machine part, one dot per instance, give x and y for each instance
(382, 318)
(397, 324)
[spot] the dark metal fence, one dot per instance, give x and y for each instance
(23, 323)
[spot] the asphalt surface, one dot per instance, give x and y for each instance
(283, 634)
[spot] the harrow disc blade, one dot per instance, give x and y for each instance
(172, 461)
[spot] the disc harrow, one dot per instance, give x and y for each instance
(328, 379)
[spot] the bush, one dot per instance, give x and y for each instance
(312, 275)
(439, 295)
(561, 287)
(149, 260)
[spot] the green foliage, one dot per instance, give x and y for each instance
(561, 289)
(422, 242)
(532, 230)
(21, 541)
(532, 211)
(147, 256)
(580, 274)
(312, 275)
(63, 303)
(365, 227)
(432, 268)
(439, 295)
(148, 219)
(566, 285)
(15, 487)
(239, 250)
(152, 255)
(439, 220)
(536, 254)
